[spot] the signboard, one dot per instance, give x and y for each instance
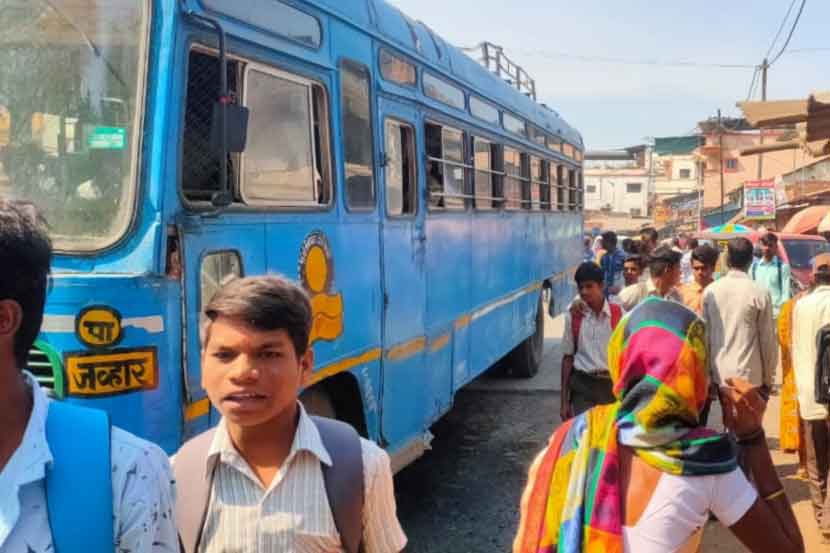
(107, 138)
(759, 200)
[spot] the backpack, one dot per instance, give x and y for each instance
(822, 377)
(79, 479)
(577, 316)
(343, 481)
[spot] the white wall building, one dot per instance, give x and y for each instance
(617, 185)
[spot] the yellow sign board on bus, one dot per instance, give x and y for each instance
(116, 372)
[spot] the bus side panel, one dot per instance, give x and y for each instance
(449, 282)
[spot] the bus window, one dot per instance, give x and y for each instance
(543, 185)
(401, 182)
(217, 270)
(395, 69)
(293, 170)
(538, 181)
(512, 178)
(526, 182)
(200, 164)
(357, 135)
(581, 191)
(446, 167)
(572, 189)
(560, 188)
(486, 175)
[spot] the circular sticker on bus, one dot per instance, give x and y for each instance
(98, 326)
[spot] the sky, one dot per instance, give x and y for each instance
(615, 104)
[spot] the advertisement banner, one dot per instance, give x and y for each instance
(759, 200)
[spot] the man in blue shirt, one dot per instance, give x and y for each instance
(611, 263)
(772, 273)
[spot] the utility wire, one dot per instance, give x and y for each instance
(781, 28)
(792, 31)
(752, 84)
(624, 61)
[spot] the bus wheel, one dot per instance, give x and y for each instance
(317, 401)
(526, 358)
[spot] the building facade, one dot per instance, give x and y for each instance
(617, 181)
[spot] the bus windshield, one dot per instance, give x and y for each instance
(71, 76)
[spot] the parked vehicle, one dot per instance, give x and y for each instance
(425, 204)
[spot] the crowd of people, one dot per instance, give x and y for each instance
(666, 375)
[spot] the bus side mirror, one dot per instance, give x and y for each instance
(236, 128)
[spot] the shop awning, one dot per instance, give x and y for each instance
(811, 118)
(807, 220)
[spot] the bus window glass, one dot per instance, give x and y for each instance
(561, 204)
(572, 189)
(274, 16)
(399, 141)
(396, 70)
(539, 182)
(289, 171)
(446, 168)
(581, 191)
(568, 150)
(554, 144)
(218, 269)
(71, 97)
(444, 92)
(514, 124)
(537, 135)
(512, 178)
(357, 136)
(484, 174)
(484, 111)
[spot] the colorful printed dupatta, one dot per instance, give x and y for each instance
(657, 360)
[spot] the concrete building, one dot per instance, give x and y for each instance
(737, 169)
(676, 167)
(617, 181)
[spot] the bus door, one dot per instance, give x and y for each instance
(215, 249)
(404, 398)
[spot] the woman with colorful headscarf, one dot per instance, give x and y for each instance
(641, 474)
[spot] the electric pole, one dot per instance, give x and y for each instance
(764, 67)
(720, 161)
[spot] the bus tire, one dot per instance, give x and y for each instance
(526, 358)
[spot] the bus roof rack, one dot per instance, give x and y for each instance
(494, 59)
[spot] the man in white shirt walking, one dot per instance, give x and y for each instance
(739, 324)
(128, 503)
(811, 313)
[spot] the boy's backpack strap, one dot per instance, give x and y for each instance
(344, 480)
(79, 480)
(193, 483)
(576, 326)
(616, 314)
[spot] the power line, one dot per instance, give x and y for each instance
(752, 84)
(781, 28)
(790, 35)
(625, 61)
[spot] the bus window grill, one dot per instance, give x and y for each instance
(41, 368)
(200, 165)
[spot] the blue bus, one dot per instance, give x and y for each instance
(428, 207)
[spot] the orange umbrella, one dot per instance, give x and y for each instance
(806, 220)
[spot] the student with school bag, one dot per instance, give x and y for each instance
(69, 482)
(270, 477)
(589, 322)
